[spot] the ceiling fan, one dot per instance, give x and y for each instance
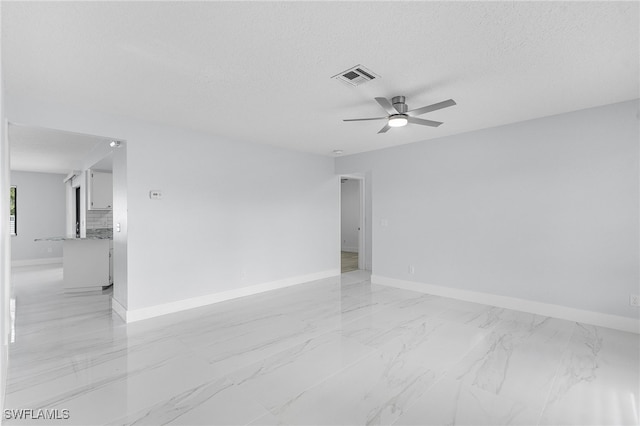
(399, 114)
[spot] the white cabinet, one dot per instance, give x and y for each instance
(100, 192)
(86, 264)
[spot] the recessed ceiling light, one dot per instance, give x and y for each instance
(398, 120)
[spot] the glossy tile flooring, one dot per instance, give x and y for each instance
(335, 351)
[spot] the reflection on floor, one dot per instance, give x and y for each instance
(333, 351)
(349, 261)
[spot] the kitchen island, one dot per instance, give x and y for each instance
(86, 262)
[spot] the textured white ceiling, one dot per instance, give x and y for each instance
(35, 149)
(260, 71)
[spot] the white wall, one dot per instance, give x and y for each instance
(233, 215)
(349, 214)
(544, 210)
(41, 213)
(368, 220)
(5, 247)
(120, 233)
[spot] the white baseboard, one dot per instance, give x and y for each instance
(209, 299)
(556, 311)
(34, 262)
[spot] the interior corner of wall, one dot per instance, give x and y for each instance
(119, 309)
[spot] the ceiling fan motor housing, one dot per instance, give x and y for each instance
(398, 104)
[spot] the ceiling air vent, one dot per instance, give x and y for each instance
(356, 76)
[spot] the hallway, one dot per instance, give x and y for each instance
(349, 261)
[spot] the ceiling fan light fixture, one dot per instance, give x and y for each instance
(399, 114)
(398, 121)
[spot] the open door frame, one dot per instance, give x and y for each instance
(362, 218)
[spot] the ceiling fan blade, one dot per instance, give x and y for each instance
(434, 107)
(365, 119)
(423, 122)
(385, 128)
(386, 105)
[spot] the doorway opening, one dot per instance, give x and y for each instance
(352, 235)
(60, 178)
(78, 209)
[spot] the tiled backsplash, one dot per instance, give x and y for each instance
(103, 233)
(99, 219)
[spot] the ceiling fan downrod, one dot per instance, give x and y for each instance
(399, 105)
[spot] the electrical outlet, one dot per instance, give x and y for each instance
(634, 300)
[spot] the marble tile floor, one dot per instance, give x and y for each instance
(334, 351)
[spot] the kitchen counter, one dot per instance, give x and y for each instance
(86, 262)
(72, 238)
(92, 234)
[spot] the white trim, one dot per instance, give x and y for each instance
(362, 219)
(362, 225)
(119, 309)
(33, 262)
(209, 299)
(563, 312)
(71, 175)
